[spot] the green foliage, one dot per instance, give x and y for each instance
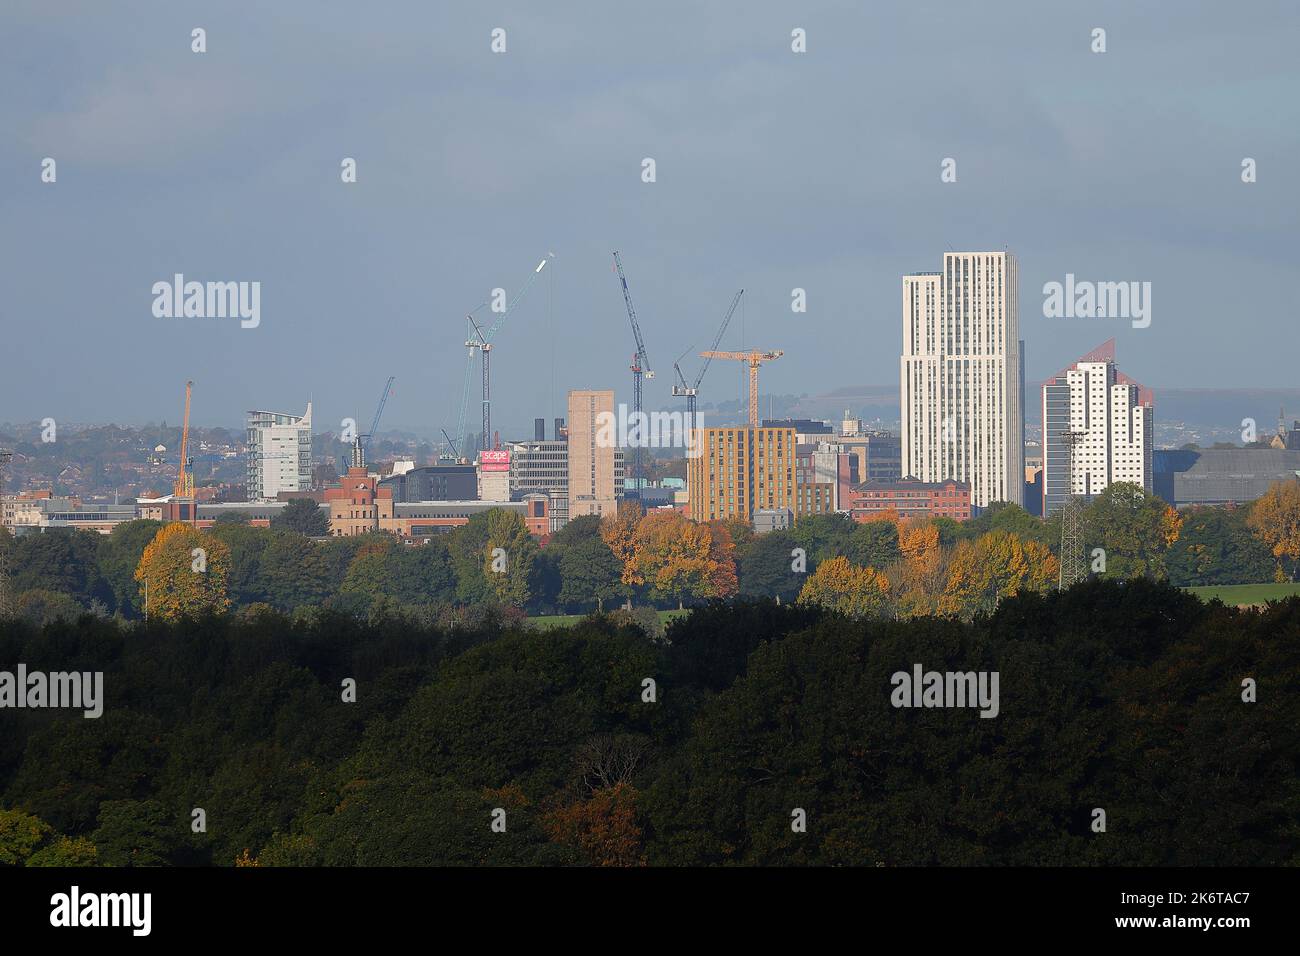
(39, 607)
(823, 536)
(765, 567)
(293, 571)
(134, 833)
(20, 835)
(1121, 694)
(304, 516)
(1134, 529)
(60, 559)
(874, 544)
(119, 556)
(247, 546)
(1004, 516)
(590, 574)
(1214, 546)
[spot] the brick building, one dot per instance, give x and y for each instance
(912, 499)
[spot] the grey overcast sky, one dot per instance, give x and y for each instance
(775, 170)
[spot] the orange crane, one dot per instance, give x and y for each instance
(184, 487)
(755, 358)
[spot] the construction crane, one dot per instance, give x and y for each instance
(755, 358)
(640, 365)
(481, 342)
(184, 487)
(6, 608)
(691, 391)
(363, 441)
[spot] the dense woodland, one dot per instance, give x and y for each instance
(1120, 695)
(771, 695)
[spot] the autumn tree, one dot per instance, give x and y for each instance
(1275, 520)
(918, 577)
(845, 587)
(996, 565)
(603, 827)
(678, 558)
(184, 571)
(619, 530)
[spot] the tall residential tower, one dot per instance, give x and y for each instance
(1113, 416)
(962, 376)
(279, 454)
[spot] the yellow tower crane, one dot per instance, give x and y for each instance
(755, 358)
(184, 487)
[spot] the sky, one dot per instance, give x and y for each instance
(774, 170)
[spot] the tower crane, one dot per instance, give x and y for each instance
(692, 391)
(363, 440)
(755, 358)
(184, 487)
(481, 342)
(640, 363)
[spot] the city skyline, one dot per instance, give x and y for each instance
(168, 165)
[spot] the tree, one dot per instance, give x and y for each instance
(1136, 530)
(603, 827)
(247, 548)
(421, 575)
(40, 607)
(20, 835)
(304, 516)
(844, 587)
(66, 851)
(917, 579)
(509, 556)
(766, 567)
(119, 556)
(59, 559)
(1216, 546)
(185, 572)
(589, 573)
(823, 536)
(1004, 516)
(1275, 520)
(135, 833)
(678, 558)
(874, 544)
(294, 572)
(995, 566)
(619, 531)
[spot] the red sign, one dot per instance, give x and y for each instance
(492, 460)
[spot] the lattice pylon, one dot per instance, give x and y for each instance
(1073, 568)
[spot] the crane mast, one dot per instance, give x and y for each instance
(640, 367)
(481, 342)
(184, 487)
(692, 391)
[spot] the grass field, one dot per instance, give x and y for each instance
(564, 620)
(1243, 594)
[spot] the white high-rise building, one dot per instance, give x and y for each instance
(279, 454)
(1113, 416)
(962, 376)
